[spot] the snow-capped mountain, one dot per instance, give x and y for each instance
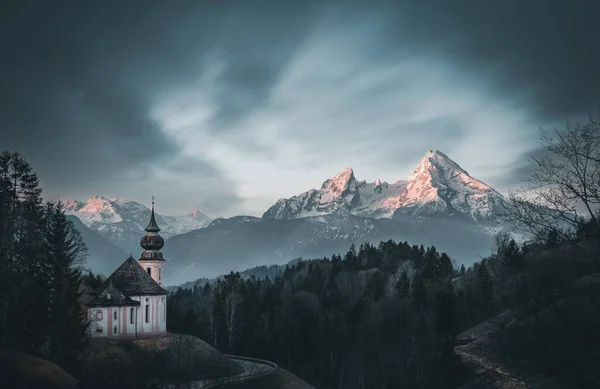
(342, 193)
(184, 223)
(439, 204)
(437, 186)
(422, 209)
(122, 222)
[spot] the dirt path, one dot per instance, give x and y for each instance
(497, 374)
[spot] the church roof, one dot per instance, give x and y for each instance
(110, 296)
(152, 226)
(131, 279)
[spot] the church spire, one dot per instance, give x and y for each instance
(152, 242)
(152, 226)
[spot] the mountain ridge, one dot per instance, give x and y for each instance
(438, 204)
(436, 185)
(122, 222)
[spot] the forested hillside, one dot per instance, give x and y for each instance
(40, 255)
(341, 321)
(388, 315)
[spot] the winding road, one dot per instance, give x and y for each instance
(504, 380)
(253, 368)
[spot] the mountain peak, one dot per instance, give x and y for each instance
(345, 174)
(446, 187)
(438, 185)
(434, 161)
(122, 221)
(341, 184)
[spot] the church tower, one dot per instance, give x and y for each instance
(152, 259)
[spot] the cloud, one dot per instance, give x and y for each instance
(230, 105)
(379, 115)
(540, 53)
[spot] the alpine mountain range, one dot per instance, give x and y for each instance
(439, 204)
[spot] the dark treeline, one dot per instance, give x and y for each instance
(378, 317)
(388, 315)
(40, 254)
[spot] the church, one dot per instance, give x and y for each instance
(132, 301)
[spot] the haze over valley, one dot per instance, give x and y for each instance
(438, 204)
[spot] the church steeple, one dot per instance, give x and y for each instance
(152, 259)
(152, 226)
(152, 242)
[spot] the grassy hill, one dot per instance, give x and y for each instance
(25, 371)
(139, 362)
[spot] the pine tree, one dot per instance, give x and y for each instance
(65, 251)
(443, 266)
(419, 289)
(376, 285)
(403, 285)
(23, 302)
(511, 256)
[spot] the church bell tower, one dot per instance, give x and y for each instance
(152, 259)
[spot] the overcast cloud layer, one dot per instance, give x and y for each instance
(230, 105)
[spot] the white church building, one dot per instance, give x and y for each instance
(132, 301)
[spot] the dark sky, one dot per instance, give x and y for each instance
(230, 105)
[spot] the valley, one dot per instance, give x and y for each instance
(439, 204)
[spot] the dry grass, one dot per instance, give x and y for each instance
(138, 362)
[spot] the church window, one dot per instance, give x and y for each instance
(131, 314)
(99, 315)
(149, 271)
(115, 315)
(114, 329)
(99, 330)
(147, 313)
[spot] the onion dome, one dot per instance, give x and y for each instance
(152, 242)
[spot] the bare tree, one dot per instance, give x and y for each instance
(563, 190)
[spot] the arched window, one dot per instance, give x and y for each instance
(115, 315)
(149, 270)
(147, 312)
(99, 314)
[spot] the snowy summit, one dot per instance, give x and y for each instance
(438, 185)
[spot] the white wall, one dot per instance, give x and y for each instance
(162, 317)
(96, 323)
(156, 271)
(157, 315)
(131, 327)
(156, 320)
